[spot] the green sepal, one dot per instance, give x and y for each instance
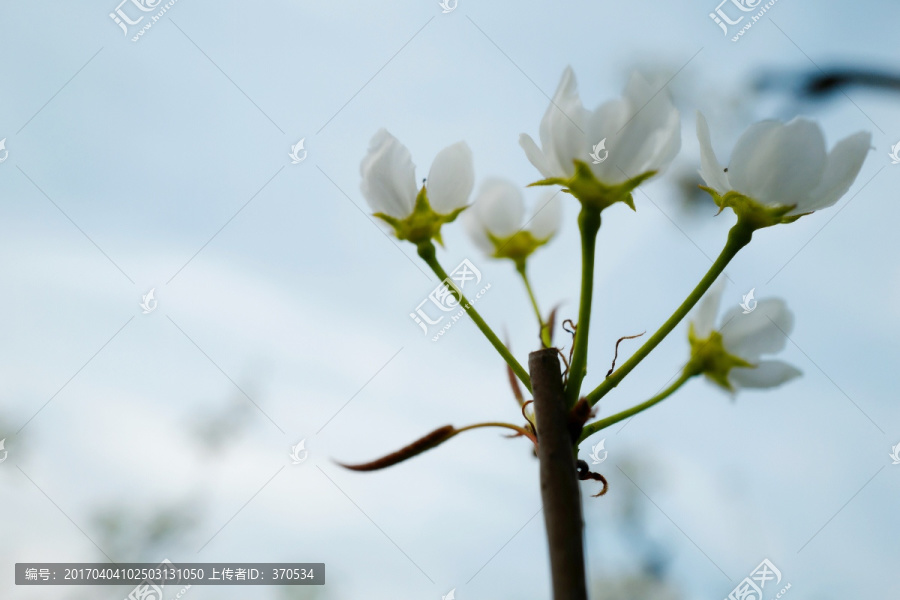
(709, 357)
(751, 212)
(423, 224)
(590, 191)
(516, 247)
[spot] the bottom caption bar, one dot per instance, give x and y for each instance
(152, 577)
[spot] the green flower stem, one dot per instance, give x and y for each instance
(738, 237)
(545, 332)
(596, 426)
(427, 252)
(589, 225)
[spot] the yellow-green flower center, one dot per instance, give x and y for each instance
(423, 224)
(516, 247)
(753, 213)
(709, 357)
(592, 192)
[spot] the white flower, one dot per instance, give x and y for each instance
(389, 186)
(495, 221)
(731, 355)
(785, 165)
(642, 132)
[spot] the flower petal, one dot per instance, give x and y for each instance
(710, 170)
(606, 123)
(767, 374)
(778, 164)
(477, 233)
(547, 216)
(704, 319)
(451, 178)
(841, 168)
(562, 128)
(763, 331)
(499, 207)
(659, 148)
(651, 132)
(670, 143)
(537, 158)
(388, 176)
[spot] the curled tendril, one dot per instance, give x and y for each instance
(571, 331)
(564, 359)
(530, 427)
(527, 418)
(584, 473)
(619, 341)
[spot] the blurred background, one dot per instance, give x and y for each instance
(283, 309)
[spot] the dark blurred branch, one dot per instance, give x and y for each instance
(822, 84)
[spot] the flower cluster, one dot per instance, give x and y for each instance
(777, 173)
